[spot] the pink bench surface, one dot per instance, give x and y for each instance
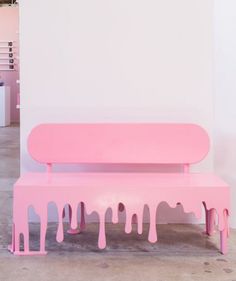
(117, 143)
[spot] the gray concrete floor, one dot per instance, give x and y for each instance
(182, 253)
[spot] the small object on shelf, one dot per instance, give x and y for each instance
(1, 82)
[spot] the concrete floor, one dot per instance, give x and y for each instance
(182, 253)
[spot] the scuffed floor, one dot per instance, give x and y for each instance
(183, 252)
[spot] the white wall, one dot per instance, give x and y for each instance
(225, 95)
(116, 61)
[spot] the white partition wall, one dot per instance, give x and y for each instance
(116, 61)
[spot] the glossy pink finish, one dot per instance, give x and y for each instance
(118, 143)
(118, 191)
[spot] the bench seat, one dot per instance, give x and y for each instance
(100, 191)
(111, 180)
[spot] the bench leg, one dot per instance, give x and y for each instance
(15, 247)
(60, 228)
(102, 234)
(140, 223)
(20, 227)
(43, 230)
(128, 222)
(17, 243)
(224, 234)
(152, 236)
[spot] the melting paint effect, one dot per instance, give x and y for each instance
(102, 235)
(60, 232)
(152, 236)
(21, 220)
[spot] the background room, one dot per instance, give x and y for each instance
(113, 63)
(126, 61)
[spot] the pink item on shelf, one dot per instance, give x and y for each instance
(181, 144)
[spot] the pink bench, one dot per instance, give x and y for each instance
(181, 144)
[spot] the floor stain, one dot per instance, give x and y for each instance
(222, 260)
(103, 265)
(208, 271)
(206, 263)
(228, 270)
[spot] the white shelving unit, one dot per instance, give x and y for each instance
(3, 59)
(7, 54)
(6, 41)
(7, 47)
(4, 106)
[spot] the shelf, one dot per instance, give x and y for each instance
(7, 47)
(7, 58)
(7, 69)
(6, 41)
(7, 63)
(4, 53)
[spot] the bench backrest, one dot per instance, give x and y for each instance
(118, 143)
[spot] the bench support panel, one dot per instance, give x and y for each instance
(118, 200)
